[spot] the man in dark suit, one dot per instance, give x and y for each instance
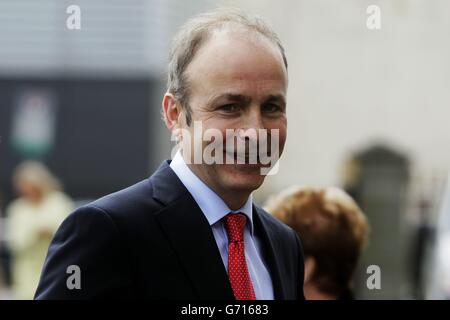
(191, 231)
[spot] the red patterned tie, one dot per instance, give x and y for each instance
(237, 266)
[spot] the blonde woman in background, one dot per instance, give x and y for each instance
(33, 218)
(333, 231)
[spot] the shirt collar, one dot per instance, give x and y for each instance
(212, 206)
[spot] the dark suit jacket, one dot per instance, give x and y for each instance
(151, 240)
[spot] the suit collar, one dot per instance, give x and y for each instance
(166, 186)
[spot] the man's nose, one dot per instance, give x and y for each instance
(253, 119)
(251, 126)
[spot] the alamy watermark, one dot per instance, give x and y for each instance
(74, 279)
(374, 280)
(373, 21)
(73, 21)
(259, 147)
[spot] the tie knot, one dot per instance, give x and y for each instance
(235, 224)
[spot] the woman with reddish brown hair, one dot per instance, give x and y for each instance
(333, 231)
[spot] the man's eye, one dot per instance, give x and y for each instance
(270, 107)
(232, 107)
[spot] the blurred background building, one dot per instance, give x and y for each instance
(368, 110)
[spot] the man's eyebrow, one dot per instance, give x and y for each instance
(231, 97)
(275, 98)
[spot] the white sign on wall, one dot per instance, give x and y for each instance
(33, 122)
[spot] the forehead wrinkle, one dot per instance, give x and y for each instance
(222, 85)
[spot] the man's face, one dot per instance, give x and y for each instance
(237, 81)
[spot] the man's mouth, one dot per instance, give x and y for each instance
(248, 159)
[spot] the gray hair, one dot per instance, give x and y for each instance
(194, 33)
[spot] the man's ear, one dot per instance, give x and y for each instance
(171, 111)
(310, 268)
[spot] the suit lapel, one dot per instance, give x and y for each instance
(191, 236)
(271, 248)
